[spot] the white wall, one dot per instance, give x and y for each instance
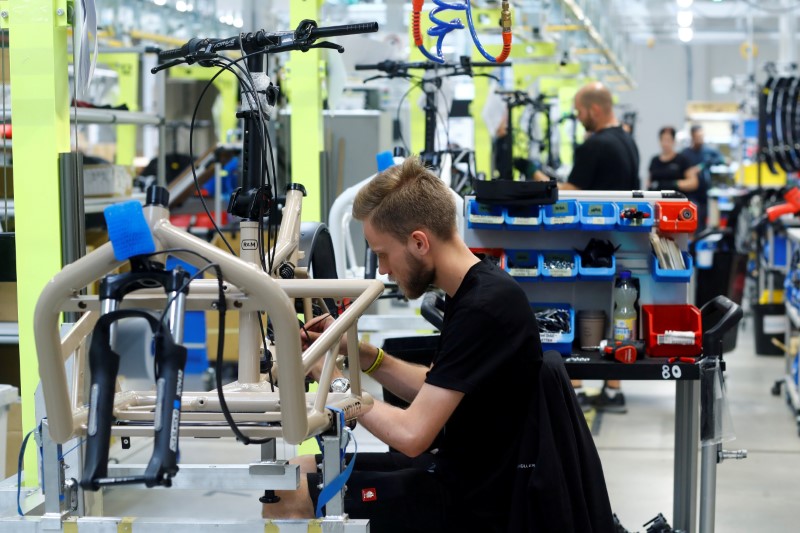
(666, 83)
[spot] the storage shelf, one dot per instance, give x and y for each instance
(91, 205)
(86, 115)
(9, 333)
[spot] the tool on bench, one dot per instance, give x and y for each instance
(626, 351)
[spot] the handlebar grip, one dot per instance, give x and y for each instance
(373, 66)
(166, 55)
(345, 29)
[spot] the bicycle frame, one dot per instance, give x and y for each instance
(249, 290)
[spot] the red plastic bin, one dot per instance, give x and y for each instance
(656, 319)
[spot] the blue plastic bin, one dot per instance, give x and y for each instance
(561, 215)
(597, 274)
(643, 225)
(559, 275)
(780, 250)
(523, 217)
(523, 265)
(560, 342)
(597, 216)
(485, 216)
(662, 274)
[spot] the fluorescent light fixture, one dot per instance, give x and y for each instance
(685, 18)
(683, 4)
(685, 34)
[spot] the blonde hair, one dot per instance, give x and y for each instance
(405, 198)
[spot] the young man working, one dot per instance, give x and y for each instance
(476, 392)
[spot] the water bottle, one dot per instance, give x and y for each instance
(624, 311)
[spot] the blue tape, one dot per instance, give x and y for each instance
(384, 160)
(128, 230)
(338, 483)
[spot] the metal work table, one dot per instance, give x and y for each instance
(687, 419)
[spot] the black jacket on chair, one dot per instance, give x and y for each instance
(559, 487)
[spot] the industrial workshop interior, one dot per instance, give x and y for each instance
(349, 266)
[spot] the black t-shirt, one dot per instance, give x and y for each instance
(672, 170)
(607, 161)
(490, 351)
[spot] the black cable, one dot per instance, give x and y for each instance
(397, 115)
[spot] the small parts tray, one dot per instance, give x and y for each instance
(560, 266)
(663, 274)
(635, 216)
(495, 255)
(596, 216)
(657, 319)
(484, 216)
(523, 265)
(523, 217)
(558, 337)
(561, 215)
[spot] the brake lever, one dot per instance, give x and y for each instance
(304, 47)
(168, 64)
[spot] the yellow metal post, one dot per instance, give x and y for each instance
(305, 85)
(40, 103)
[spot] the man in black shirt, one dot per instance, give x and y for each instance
(478, 389)
(608, 159)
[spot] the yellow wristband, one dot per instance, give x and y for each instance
(375, 364)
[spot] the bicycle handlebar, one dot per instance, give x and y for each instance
(301, 38)
(397, 66)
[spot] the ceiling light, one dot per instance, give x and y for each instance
(159, 2)
(238, 23)
(685, 34)
(685, 18)
(180, 5)
(189, 7)
(684, 3)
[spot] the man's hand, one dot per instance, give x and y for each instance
(314, 328)
(310, 332)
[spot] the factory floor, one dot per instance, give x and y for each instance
(760, 493)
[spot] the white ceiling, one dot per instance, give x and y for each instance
(713, 21)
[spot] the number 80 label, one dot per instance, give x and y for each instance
(670, 372)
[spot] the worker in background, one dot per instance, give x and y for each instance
(671, 171)
(704, 157)
(608, 160)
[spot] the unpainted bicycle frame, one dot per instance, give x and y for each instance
(249, 290)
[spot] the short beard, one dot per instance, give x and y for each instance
(420, 278)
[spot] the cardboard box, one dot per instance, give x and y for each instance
(8, 301)
(106, 180)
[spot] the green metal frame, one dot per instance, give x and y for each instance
(40, 103)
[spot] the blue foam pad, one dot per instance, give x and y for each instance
(128, 230)
(384, 160)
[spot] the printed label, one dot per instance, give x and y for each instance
(774, 324)
(249, 244)
(624, 328)
(485, 219)
(369, 495)
(560, 209)
(595, 210)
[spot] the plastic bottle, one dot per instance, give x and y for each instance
(624, 312)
